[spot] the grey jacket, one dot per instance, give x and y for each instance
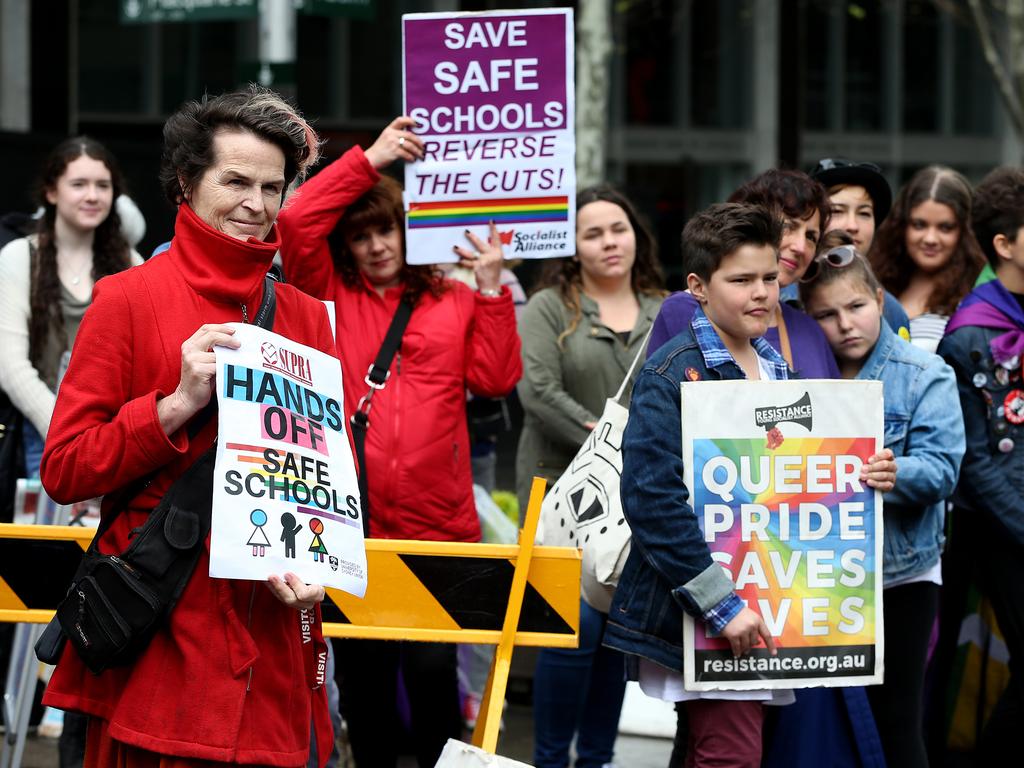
(564, 387)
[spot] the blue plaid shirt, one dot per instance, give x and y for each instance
(715, 354)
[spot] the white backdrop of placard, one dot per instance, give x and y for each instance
(773, 471)
(285, 494)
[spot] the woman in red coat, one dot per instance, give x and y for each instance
(343, 241)
(224, 681)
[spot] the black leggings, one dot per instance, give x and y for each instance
(367, 674)
(909, 612)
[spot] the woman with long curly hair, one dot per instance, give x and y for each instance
(581, 331)
(343, 241)
(925, 252)
(46, 279)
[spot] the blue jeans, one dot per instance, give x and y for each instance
(32, 442)
(578, 692)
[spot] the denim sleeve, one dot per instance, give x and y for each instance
(895, 315)
(656, 502)
(927, 472)
(982, 483)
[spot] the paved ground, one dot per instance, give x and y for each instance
(516, 742)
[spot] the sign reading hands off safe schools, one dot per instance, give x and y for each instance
(285, 492)
(492, 96)
(773, 469)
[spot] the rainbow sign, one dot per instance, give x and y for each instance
(467, 213)
(777, 493)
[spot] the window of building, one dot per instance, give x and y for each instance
(863, 80)
(720, 63)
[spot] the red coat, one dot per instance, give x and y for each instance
(225, 679)
(417, 446)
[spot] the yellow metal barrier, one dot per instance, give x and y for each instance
(505, 595)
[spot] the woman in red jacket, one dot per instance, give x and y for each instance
(224, 680)
(343, 241)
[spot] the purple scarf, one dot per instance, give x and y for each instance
(991, 306)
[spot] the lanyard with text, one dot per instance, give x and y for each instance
(314, 651)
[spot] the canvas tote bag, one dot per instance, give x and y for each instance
(583, 509)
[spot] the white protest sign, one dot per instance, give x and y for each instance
(492, 95)
(773, 471)
(285, 491)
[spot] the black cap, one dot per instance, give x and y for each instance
(833, 171)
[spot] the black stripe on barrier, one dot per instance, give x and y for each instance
(474, 592)
(39, 571)
(329, 611)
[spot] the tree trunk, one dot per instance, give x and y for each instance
(1009, 79)
(593, 49)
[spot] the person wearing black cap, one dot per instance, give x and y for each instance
(861, 199)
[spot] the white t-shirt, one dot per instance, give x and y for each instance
(927, 330)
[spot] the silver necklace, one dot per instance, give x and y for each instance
(76, 277)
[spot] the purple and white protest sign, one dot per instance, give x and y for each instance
(493, 99)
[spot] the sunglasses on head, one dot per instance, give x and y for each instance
(832, 163)
(840, 256)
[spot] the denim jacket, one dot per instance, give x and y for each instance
(669, 568)
(991, 480)
(925, 431)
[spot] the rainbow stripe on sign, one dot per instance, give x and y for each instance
(463, 213)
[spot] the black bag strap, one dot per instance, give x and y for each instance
(376, 378)
(264, 319)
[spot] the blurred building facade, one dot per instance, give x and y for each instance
(702, 94)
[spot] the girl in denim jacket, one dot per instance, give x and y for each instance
(924, 429)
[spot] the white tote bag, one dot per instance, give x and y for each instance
(583, 509)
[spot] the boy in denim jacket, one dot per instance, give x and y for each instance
(984, 344)
(731, 254)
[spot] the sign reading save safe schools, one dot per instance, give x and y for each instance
(285, 493)
(774, 472)
(492, 96)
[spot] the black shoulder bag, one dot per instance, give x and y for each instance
(117, 603)
(376, 378)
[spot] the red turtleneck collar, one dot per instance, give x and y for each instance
(218, 266)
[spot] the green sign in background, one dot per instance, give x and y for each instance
(352, 9)
(150, 11)
(147, 11)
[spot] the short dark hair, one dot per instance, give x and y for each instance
(189, 134)
(793, 193)
(998, 209)
(722, 229)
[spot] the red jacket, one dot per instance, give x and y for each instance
(225, 679)
(417, 445)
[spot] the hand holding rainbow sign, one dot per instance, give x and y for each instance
(776, 490)
(492, 96)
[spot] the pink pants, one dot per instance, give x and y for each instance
(724, 734)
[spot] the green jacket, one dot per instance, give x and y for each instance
(564, 387)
